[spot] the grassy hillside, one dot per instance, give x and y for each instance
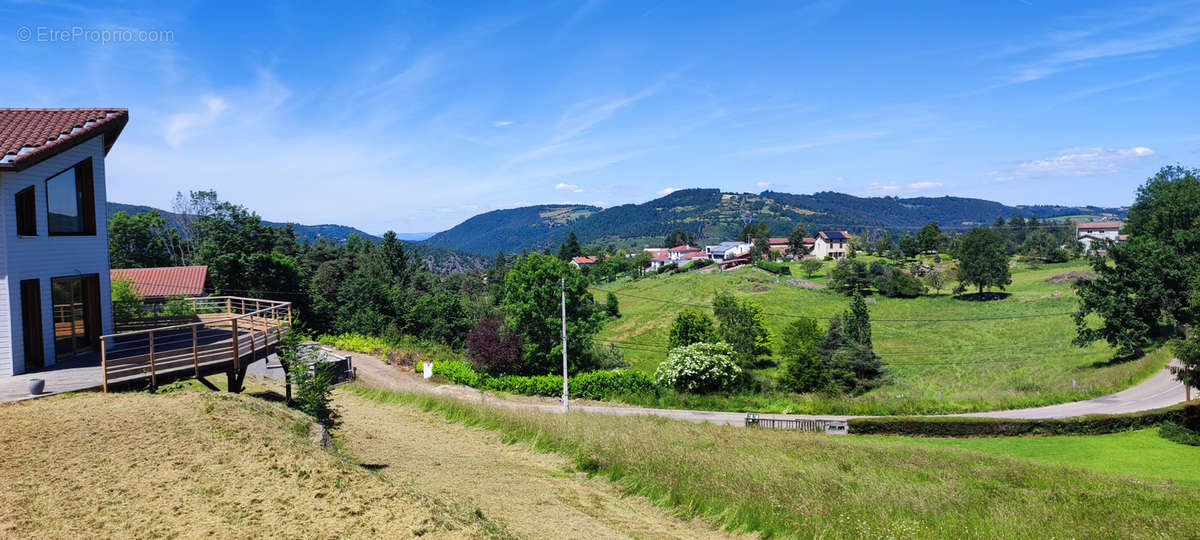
(531, 227)
(792, 484)
(191, 464)
(1008, 353)
(1141, 454)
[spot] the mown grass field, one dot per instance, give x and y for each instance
(792, 484)
(1008, 353)
(1142, 454)
(197, 465)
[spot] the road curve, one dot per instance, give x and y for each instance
(1160, 390)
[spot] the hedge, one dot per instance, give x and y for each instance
(1184, 414)
(598, 385)
(774, 267)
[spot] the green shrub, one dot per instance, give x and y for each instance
(1187, 414)
(774, 267)
(667, 268)
(699, 368)
(598, 385)
(1177, 433)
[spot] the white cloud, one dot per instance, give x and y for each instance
(183, 126)
(568, 187)
(878, 187)
(502, 123)
(763, 185)
(924, 185)
(667, 191)
(1078, 161)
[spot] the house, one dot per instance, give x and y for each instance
(1087, 233)
(658, 258)
(55, 297)
(727, 250)
(780, 246)
(157, 285)
(832, 244)
(580, 262)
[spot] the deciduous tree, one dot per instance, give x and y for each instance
(984, 260)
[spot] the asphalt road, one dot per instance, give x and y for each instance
(1160, 390)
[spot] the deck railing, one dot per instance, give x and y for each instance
(215, 331)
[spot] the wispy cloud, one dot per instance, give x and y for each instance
(667, 191)
(762, 185)
(879, 187)
(1115, 34)
(502, 123)
(184, 125)
(1079, 161)
(568, 187)
(827, 139)
(916, 186)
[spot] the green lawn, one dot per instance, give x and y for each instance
(1141, 454)
(973, 359)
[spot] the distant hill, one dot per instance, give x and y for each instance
(713, 215)
(438, 259)
(530, 227)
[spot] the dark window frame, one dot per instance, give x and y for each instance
(85, 193)
(26, 201)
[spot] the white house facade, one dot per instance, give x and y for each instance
(727, 250)
(832, 244)
(1095, 231)
(55, 297)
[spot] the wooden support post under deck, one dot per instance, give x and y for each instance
(153, 380)
(104, 365)
(234, 333)
(195, 352)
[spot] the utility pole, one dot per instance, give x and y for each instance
(562, 287)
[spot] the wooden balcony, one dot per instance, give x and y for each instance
(192, 337)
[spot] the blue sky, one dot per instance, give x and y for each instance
(416, 116)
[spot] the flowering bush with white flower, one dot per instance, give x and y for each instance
(699, 368)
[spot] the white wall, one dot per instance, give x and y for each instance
(45, 257)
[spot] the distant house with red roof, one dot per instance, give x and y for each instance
(1095, 231)
(581, 262)
(163, 283)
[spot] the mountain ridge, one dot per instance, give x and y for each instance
(712, 214)
(437, 258)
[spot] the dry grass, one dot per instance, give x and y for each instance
(536, 495)
(191, 464)
(803, 485)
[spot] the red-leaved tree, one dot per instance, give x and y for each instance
(491, 347)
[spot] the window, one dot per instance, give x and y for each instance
(26, 212)
(70, 201)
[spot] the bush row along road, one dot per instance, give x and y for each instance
(1160, 390)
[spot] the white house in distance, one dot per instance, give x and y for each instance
(55, 298)
(1098, 230)
(727, 250)
(830, 243)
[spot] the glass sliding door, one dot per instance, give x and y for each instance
(75, 328)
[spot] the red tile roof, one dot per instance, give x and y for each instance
(683, 247)
(30, 136)
(165, 281)
(584, 260)
(776, 241)
(1100, 225)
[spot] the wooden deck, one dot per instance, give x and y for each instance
(224, 333)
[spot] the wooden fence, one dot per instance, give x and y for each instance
(218, 331)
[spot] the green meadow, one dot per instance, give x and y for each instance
(944, 354)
